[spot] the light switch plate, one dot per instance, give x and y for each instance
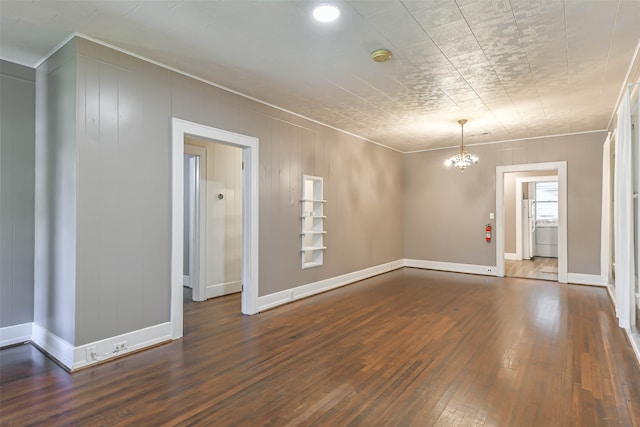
(492, 215)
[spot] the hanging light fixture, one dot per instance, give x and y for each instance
(462, 159)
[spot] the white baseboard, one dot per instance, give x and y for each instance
(510, 256)
(53, 345)
(16, 334)
(278, 298)
(76, 357)
(135, 340)
(586, 279)
(223, 289)
(612, 297)
(634, 339)
(486, 270)
(186, 281)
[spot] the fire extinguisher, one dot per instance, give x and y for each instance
(488, 233)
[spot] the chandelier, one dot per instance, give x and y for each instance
(462, 159)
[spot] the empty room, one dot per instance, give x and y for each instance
(296, 213)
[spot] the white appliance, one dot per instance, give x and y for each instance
(528, 228)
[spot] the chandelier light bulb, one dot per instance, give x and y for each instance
(462, 159)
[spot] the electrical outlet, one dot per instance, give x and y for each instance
(91, 353)
(120, 346)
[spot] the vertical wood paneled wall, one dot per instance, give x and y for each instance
(17, 185)
(124, 197)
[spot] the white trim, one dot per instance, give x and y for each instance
(200, 79)
(54, 50)
(53, 345)
(624, 324)
(278, 298)
(586, 279)
(504, 141)
(454, 267)
(625, 83)
(219, 289)
(76, 357)
(605, 217)
(186, 281)
(612, 296)
(198, 259)
(634, 340)
(135, 340)
(561, 167)
(511, 256)
(16, 334)
(623, 217)
(250, 203)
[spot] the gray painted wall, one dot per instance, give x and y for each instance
(446, 211)
(103, 177)
(55, 194)
(124, 198)
(17, 175)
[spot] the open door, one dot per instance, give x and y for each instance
(195, 190)
(250, 213)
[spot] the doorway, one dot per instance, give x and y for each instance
(531, 224)
(560, 170)
(250, 178)
(212, 219)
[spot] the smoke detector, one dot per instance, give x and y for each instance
(381, 55)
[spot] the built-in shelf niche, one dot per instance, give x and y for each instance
(312, 219)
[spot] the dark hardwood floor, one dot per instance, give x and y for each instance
(408, 348)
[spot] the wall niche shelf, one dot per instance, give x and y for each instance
(312, 218)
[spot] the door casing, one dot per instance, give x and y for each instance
(250, 181)
(561, 168)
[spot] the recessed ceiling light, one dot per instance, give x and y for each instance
(326, 13)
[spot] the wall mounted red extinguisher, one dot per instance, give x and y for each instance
(488, 233)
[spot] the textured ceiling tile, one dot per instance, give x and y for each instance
(499, 33)
(33, 13)
(479, 11)
(440, 14)
(517, 68)
(469, 60)
(460, 47)
(398, 27)
(453, 31)
(367, 8)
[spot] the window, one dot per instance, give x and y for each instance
(547, 201)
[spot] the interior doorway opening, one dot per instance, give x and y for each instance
(212, 251)
(506, 174)
(250, 179)
(531, 224)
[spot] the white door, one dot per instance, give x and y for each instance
(190, 218)
(194, 212)
(528, 229)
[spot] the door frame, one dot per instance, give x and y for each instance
(250, 180)
(199, 254)
(561, 168)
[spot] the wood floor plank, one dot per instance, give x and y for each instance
(411, 347)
